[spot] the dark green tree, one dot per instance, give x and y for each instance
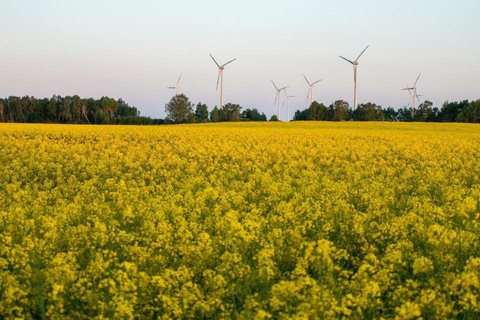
(201, 112)
(253, 115)
(274, 118)
(338, 111)
(180, 109)
(450, 110)
(390, 114)
(14, 106)
(109, 107)
(301, 115)
(69, 109)
(124, 110)
(230, 112)
(65, 111)
(2, 111)
(424, 112)
(317, 111)
(28, 105)
(470, 113)
(53, 108)
(405, 114)
(368, 112)
(215, 115)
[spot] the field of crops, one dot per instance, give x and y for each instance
(264, 221)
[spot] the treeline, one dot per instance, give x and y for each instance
(73, 109)
(181, 110)
(76, 110)
(463, 111)
(70, 109)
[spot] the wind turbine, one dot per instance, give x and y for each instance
(287, 97)
(355, 66)
(220, 77)
(277, 97)
(177, 85)
(413, 93)
(310, 89)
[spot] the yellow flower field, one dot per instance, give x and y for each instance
(265, 221)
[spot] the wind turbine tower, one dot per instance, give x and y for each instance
(310, 89)
(355, 66)
(176, 87)
(287, 98)
(413, 93)
(220, 77)
(277, 98)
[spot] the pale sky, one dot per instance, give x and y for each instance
(134, 49)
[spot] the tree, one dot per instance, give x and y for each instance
(180, 109)
(317, 111)
(52, 108)
(368, 112)
(230, 112)
(301, 115)
(109, 107)
(65, 114)
(201, 112)
(274, 118)
(69, 109)
(15, 109)
(470, 113)
(405, 114)
(124, 110)
(253, 115)
(215, 115)
(28, 107)
(2, 111)
(390, 114)
(424, 112)
(338, 111)
(450, 110)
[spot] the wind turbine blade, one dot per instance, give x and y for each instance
(229, 62)
(179, 79)
(218, 79)
(417, 80)
(306, 80)
(274, 85)
(171, 87)
(316, 82)
(215, 61)
(276, 98)
(346, 59)
(361, 53)
(308, 95)
(418, 98)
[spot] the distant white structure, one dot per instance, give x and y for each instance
(287, 98)
(277, 97)
(177, 86)
(413, 93)
(355, 66)
(310, 90)
(220, 77)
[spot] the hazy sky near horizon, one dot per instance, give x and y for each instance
(135, 49)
